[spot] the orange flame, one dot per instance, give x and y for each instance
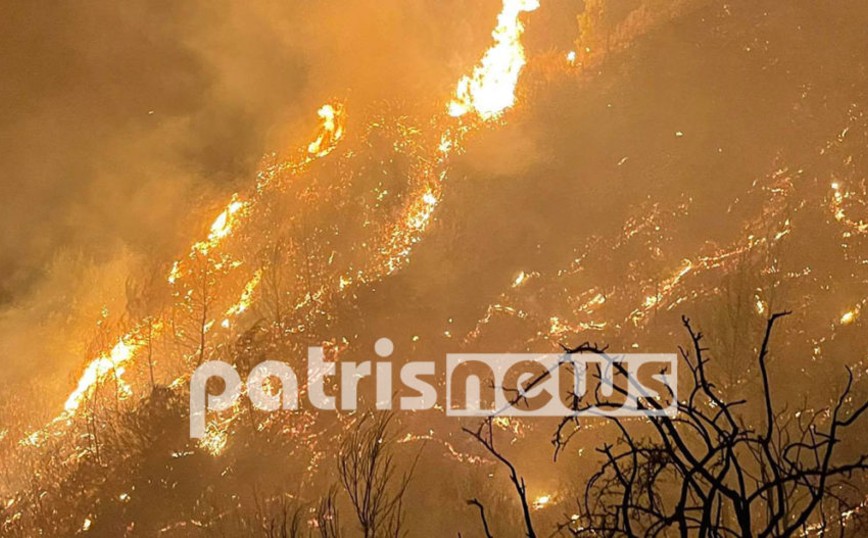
(246, 299)
(488, 91)
(100, 368)
(491, 88)
(331, 132)
(113, 361)
(222, 225)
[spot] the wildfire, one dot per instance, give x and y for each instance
(245, 300)
(220, 228)
(99, 368)
(112, 362)
(491, 88)
(331, 132)
(488, 91)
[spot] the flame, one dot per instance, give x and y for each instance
(99, 369)
(760, 305)
(175, 272)
(849, 317)
(331, 132)
(112, 363)
(488, 91)
(245, 300)
(840, 199)
(519, 279)
(246, 296)
(665, 288)
(491, 88)
(222, 225)
(220, 228)
(542, 501)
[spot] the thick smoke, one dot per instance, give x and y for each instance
(125, 123)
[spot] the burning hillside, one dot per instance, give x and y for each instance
(592, 181)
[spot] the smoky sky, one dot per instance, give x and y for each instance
(123, 125)
(118, 118)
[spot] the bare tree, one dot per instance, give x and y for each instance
(193, 306)
(707, 472)
(484, 435)
(282, 521)
(327, 518)
(368, 474)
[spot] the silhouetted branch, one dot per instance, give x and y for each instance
(484, 434)
(475, 502)
(705, 472)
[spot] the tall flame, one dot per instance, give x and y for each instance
(491, 88)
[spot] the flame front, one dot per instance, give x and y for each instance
(99, 369)
(491, 88)
(220, 228)
(112, 362)
(487, 92)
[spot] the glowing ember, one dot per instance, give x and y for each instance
(760, 306)
(175, 272)
(491, 88)
(840, 198)
(215, 440)
(542, 501)
(849, 317)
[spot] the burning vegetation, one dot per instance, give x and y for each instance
(588, 181)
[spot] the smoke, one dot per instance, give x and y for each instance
(125, 124)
